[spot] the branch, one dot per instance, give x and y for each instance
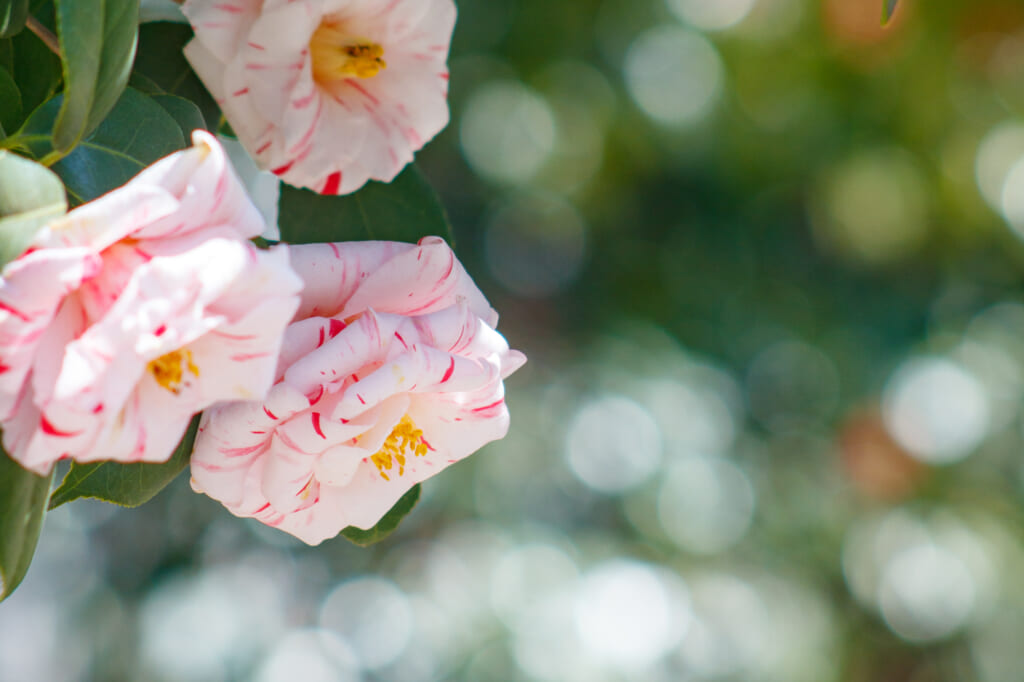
(43, 33)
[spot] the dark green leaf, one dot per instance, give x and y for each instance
(405, 210)
(36, 70)
(161, 60)
(12, 16)
(224, 128)
(184, 112)
(888, 7)
(30, 196)
(10, 103)
(144, 85)
(22, 507)
(128, 485)
(137, 132)
(97, 41)
(7, 55)
(386, 525)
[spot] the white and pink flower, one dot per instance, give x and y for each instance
(327, 94)
(391, 372)
(135, 311)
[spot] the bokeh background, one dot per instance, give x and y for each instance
(765, 258)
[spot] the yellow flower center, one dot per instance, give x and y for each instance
(337, 56)
(169, 369)
(403, 439)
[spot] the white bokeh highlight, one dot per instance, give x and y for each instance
(373, 616)
(613, 444)
(711, 16)
(507, 132)
(936, 409)
(705, 504)
(674, 75)
(927, 593)
(998, 152)
(222, 617)
(629, 614)
(535, 244)
(310, 655)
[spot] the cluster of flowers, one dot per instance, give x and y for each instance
(331, 377)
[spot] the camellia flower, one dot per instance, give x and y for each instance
(327, 94)
(133, 312)
(391, 372)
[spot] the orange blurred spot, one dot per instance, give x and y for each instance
(875, 464)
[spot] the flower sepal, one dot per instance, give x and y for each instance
(387, 525)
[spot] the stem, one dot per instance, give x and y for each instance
(43, 33)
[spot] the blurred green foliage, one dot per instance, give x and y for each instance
(775, 238)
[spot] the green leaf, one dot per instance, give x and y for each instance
(10, 103)
(405, 210)
(888, 7)
(137, 132)
(7, 55)
(30, 196)
(185, 113)
(144, 85)
(161, 60)
(13, 14)
(36, 70)
(128, 485)
(97, 43)
(387, 525)
(22, 507)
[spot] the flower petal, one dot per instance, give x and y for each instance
(420, 281)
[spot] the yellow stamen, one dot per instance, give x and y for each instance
(168, 371)
(404, 438)
(336, 55)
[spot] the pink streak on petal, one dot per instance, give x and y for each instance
(489, 407)
(451, 370)
(50, 430)
(241, 452)
(360, 89)
(244, 357)
(333, 183)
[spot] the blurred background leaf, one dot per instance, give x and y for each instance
(765, 258)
